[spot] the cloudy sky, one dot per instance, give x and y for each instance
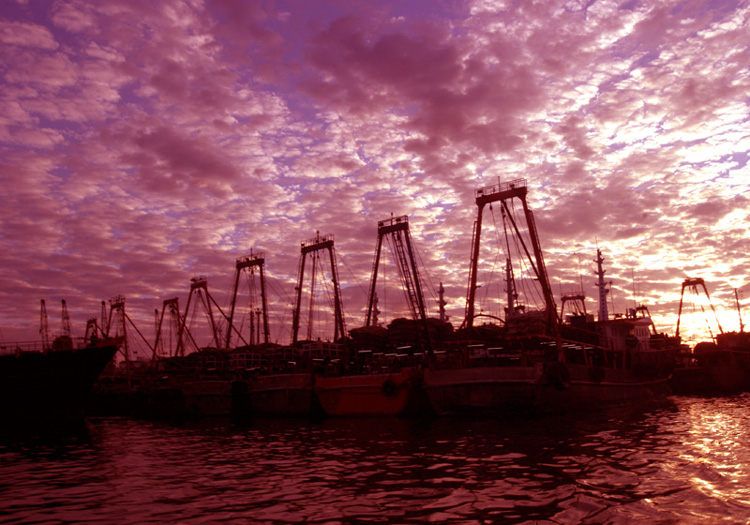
(144, 143)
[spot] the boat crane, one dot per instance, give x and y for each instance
(693, 285)
(199, 287)
(505, 193)
(173, 307)
(310, 247)
(249, 263)
(397, 230)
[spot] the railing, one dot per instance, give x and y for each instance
(499, 187)
(318, 239)
(19, 347)
(393, 220)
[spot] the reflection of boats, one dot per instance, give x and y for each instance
(535, 362)
(55, 382)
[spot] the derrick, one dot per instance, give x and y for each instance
(170, 308)
(505, 194)
(199, 289)
(397, 230)
(249, 264)
(118, 320)
(311, 248)
(693, 284)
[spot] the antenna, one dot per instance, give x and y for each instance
(739, 311)
(65, 320)
(44, 327)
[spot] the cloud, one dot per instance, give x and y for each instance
(144, 143)
(26, 35)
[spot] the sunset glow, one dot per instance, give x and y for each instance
(145, 143)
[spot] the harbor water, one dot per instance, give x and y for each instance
(684, 460)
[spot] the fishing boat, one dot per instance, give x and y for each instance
(42, 382)
(535, 361)
(718, 366)
(373, 383)
(380, 371)
(273, 381)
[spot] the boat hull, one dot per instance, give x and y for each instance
(279, 395)
(51, 384)
(388, 394)
(530, 390)
(207, 398)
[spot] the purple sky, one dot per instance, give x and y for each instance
(144, 143)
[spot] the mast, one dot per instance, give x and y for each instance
(442, 303)
(693, 284)
(44, 327)
(199, 285)
(603, 286)
(66, 332)
(739, 311)
(311, 247)
(250, 262)
(397, 229)
(174, 308)
(105, 325)
(504, 193)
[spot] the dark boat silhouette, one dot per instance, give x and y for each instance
(55, 382)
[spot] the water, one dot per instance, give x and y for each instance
(684, 461)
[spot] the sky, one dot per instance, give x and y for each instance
(146, 143)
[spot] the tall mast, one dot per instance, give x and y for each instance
(441, 302)
(66, 332)
(199, 286)
(251, 262)
(44, 327)
(739, 311)
(693, 284)
(397, 229)
(311, 247)
(603, 286)
(505, 192)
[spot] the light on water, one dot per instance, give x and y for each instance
(684, 461)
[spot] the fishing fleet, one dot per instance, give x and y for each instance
(532, 359)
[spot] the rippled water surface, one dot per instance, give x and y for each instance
(683, 461)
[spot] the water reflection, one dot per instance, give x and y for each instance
(684, 461)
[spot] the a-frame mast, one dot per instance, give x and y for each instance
(252, 261)
(397, 228)
(693, 284)
(310, 247)
(504, 193)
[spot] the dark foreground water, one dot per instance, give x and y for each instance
(683, 461)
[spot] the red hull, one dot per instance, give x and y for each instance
(393, 394)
